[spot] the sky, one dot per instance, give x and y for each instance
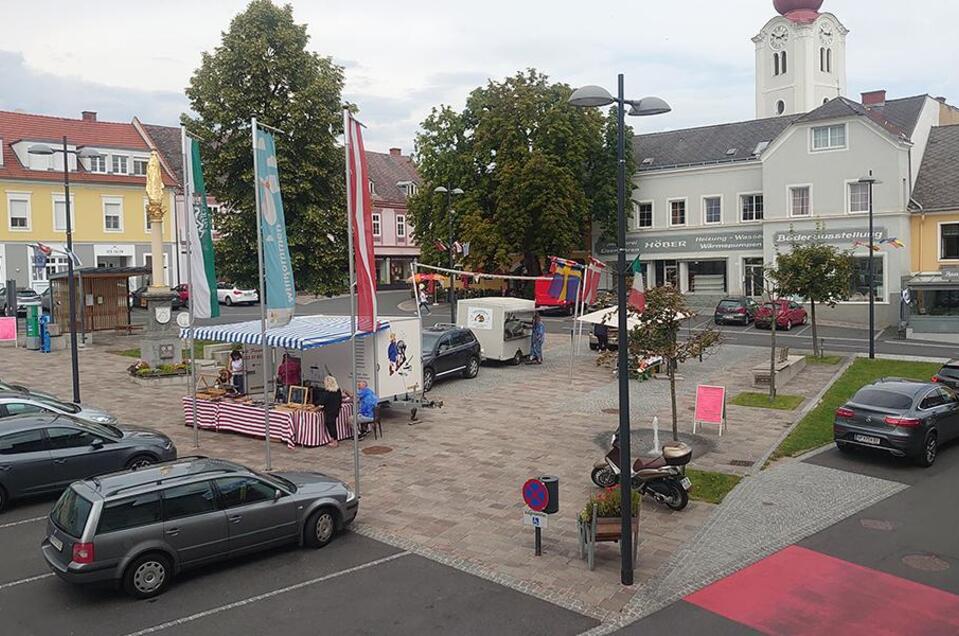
(125, 59)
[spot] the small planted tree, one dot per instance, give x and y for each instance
(818, 272)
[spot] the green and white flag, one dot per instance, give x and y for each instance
(203, 299)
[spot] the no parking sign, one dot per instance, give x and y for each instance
(535, 495)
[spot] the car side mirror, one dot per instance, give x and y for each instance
(277, 494)
(97, 443)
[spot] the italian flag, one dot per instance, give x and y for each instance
(203, 300)
(637, 294)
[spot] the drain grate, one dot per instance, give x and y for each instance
(377, 450)
(741, 462)
(611, 411)
(925, 562)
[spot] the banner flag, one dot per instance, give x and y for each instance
(360, 204)
(593, 272)
(566, 279)
(200, 235)
(277, 269)
(637, 295)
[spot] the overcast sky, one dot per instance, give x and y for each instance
(124, 58)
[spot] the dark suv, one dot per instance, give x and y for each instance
(739, 310)
(140, 528)
(448, 349)
(948, 374)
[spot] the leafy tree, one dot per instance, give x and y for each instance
(262, 69)
(818, 272)
(535, 171)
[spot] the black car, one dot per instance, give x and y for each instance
(948, 375)
(448, 349)
(740, 310)
(137, 298)
(905, 418)
(45, 452)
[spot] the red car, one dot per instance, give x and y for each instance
(184, 293)
(789, 314)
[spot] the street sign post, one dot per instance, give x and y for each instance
(536, 497)
(535, 519)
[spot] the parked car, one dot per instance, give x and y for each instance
(138, 298)
(905, 418)
(183, 291)
(18, 402)
(140, 529)
(26, 297)
(738, 310)
(948, 374)
(229, 294)
(788, 315)
(45, 452)
(448, 349)
(6, 387)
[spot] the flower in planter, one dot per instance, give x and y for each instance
(608, 504)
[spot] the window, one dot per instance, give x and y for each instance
(677, 213)
(242, 491)
(712, 210)
(376, 225)
(18, 210)
(400, 226)
(113, 214)
(783, 65)
(62, 437)
(859, 284)
(799, 201)
(130, 513)
(140, 167)
(372, 187)
(22, 442)
(55, 265)
(146, 217)
(829, 60)
(71, 513)
(60, 213)
(752, 207)
(949, 242)
(98, 163)
(775, 63)
(119, 164)
(822, 59)
(858, 197)
(643, 212)
(20, 408)
(188, 500)
(829, 137)
(780, 107)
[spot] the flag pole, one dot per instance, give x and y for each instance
(416, 292)
(189, 214)
(350, 203)
(259, 251)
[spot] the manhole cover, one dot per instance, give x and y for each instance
(740, 462)
(876, 524)
(925, 562)
(611, 411)
(377, 450)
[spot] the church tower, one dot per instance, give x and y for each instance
(800, 59)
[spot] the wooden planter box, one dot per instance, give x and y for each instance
(604, 530)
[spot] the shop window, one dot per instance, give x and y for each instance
(859, 284)
(752, 207)
(800, 201)
(643, 214)
(707, 277)
(949, 243)
(712, 210)
(677, 211)
(858, 198)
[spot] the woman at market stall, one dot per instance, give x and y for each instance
(330, 398)
(237, 371)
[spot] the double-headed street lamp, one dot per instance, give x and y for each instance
(450, 193)
(86, 153)
(592, 96)
(870, 181)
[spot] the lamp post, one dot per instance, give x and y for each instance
(450, 193)
(86, 153)
(592, 96)
(870, 181)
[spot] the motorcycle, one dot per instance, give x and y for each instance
(661, 477)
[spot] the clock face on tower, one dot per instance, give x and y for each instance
(779, 37)
(826, 31)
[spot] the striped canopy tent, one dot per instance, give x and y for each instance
(302, 333)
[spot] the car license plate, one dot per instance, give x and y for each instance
(686, 483)
(57, 543)
(867, 439)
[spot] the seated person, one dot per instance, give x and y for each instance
(367, 403)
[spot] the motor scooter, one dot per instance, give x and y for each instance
(660, 477)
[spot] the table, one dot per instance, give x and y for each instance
(293, 427)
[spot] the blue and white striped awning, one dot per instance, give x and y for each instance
(303, 332)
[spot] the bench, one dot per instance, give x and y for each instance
(603, 530)
(787, 367)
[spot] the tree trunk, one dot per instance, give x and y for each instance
(672, 397)
(815, 332)
(772, 358)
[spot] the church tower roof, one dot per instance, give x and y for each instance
(799, 11)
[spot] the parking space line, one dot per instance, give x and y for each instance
(21, 522)
(265, 595)
(805, 329)
(30, 579)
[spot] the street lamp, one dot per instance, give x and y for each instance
(587, 97)
(870, 181)
(86, 153)
(450, 193)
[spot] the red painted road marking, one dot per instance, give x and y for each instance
(799, 591)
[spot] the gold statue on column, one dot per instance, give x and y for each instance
(155, 213)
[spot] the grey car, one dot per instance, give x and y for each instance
(20, 403)
(26, 297)
(43, 453)
(139, 529)
(904, 418)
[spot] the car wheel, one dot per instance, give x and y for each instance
(321, 527)
(428, 377)
(517, 358)
(472, 368)
(148, 576)
(3, 498)
(140, 461)
(930, 447)
(228, 301)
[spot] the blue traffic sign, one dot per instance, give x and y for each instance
(535, 495)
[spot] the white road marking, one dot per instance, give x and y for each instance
(805, 329)
(21, 522)
(31, 579)
(264, 596)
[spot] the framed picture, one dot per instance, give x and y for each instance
(298, 395)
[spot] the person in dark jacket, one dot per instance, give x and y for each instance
(330, 398)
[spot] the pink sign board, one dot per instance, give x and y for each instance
(8, 329)
(710, 404)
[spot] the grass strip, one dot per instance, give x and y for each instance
(761, 401)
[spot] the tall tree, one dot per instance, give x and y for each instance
(262, 69)
(536, 172)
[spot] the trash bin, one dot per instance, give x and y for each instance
(33, 327)
(552, 488)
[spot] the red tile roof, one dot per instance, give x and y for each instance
(15, 127)
(386, 170)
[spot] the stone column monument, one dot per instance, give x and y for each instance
(161, 342)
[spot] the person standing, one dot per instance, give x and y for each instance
(539, 337)
(238, 371)
(330, 398)
(288, 374)
(601, 331)
(424, 300)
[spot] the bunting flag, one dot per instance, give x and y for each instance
(593, 272)
(875, 246)
(567, 276)
(360, 210)
(637, 295)
(440, 246)
(203, 300)
(895, 242)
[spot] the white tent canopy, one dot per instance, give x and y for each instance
(610, 318)
(302, 333)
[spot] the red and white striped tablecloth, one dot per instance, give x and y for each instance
(206, 413)
(248, 420)
(311, 431)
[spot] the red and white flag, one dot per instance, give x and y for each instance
(593, 272)
(637, 295)
(360, 209)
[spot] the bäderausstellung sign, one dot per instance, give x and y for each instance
(686, 242)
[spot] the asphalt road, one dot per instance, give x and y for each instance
(353, 586)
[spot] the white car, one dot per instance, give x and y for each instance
(15, 403)
(229, 294)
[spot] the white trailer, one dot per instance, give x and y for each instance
(503, 326)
